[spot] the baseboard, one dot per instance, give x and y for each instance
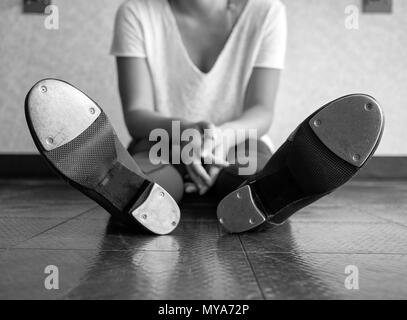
(384, 167)
(34, 166)
(24, 166)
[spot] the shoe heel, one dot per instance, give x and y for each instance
(238, 212)
(159, 213)
(139, 199)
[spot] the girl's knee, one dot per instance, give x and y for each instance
(166, 175)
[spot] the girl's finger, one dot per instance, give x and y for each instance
(214, 172)
(215, 160)
(201, 172)
(211, 139)
(190, 187)
(195, 178)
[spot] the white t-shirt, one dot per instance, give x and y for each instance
(148, 29)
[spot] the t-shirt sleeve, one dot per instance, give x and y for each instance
(128, 38)
(273, 44)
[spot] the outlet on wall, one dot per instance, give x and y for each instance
(35, 6)
(377, 6)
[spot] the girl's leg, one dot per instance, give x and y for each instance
(166, 175)
(251, 151)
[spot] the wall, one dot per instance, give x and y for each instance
(78, 52)
(324, 61)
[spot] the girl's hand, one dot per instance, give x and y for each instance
(205, 147)
(218, 153)
(215, 150)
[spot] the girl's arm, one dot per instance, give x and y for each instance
(136, 93)
(259, 106)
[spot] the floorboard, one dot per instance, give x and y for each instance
(43, 223)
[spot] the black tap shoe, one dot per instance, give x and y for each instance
(75, 137)
(325, 151)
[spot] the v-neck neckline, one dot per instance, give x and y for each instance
(225, 45)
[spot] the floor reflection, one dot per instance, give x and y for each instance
(149, 272)
(284, 271)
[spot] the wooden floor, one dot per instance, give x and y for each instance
(362, 225)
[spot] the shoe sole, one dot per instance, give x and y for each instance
(76, 138)
(344, 134)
